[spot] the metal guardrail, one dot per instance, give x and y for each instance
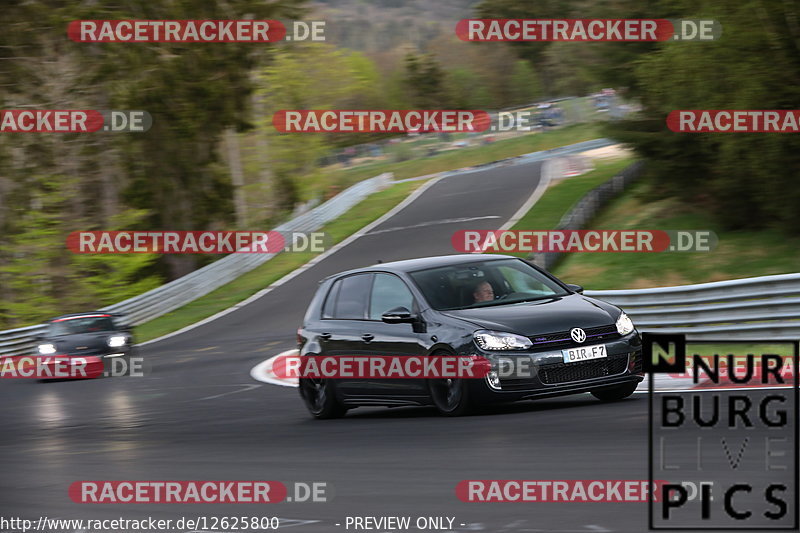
(588, 206)
(760, 308)
(181, 291)
(531, 157)
(20, 341)
(763, 308)
(185, 289)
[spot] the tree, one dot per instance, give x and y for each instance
(168, 178)
(524, 83)
(748, 180)
(309, 76)
(425, 80)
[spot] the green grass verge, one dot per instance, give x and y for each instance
(248, 284)
(740, 350)
(739, 254)
(559, 198)
(463, 157)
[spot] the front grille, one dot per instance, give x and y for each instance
(567, 372)
(516, 384)
(87, 351)
(598, 368)
(562, 338)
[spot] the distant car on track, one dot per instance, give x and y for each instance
(96, 334)
(498, 307)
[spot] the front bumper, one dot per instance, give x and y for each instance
(94, 365)
(544, 374)
(56, 367)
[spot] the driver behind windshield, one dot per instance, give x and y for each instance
(483, 292)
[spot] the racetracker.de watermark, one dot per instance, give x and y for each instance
(588, 30)
(194, 31)
(734, 121)
(199, 491)
(555, 490)
(73, 121)
(380, 120)
(57, 367)
(51, 367)
(177, 492)
(568, 241)
(196, 242)
(381, 367)
(175, 31)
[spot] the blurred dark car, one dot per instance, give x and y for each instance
(500, 308)
(105, 336)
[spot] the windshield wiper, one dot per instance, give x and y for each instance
(537, 298)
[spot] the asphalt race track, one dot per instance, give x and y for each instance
(198, 415)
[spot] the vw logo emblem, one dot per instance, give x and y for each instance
(577, 334)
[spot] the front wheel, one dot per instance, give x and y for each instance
(615, 393)
(450, 396)
(320, 398)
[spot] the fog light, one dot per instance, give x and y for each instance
(632, 360)
(493, 380)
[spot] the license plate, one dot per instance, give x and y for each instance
(584, 353)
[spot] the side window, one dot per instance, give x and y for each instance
(388, 292)
(330, 301)
(351, 297)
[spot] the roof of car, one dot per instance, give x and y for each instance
(78, 315)
(411, 265)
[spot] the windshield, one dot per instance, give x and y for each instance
(484, 283)
(77, 325)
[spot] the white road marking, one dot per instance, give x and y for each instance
(543, 155)
(544, 180)
(263, 371)
(402, 205)
(433, 223)
(247, 387)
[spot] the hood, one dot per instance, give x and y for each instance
(84, 343)
(541, 316)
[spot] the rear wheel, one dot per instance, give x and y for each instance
(320, 398)
(615, 393)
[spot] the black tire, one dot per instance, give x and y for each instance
(450, 396)
(320, 398)
(615, 393)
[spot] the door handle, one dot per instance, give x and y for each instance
(367, 337)
(325, 336)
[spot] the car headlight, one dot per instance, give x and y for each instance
(624, 324)
(46, 349)
(116, 342)
(498, 340)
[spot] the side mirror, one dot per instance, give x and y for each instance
(398, 315)
(575, 288)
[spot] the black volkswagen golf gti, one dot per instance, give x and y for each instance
(498, 307)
